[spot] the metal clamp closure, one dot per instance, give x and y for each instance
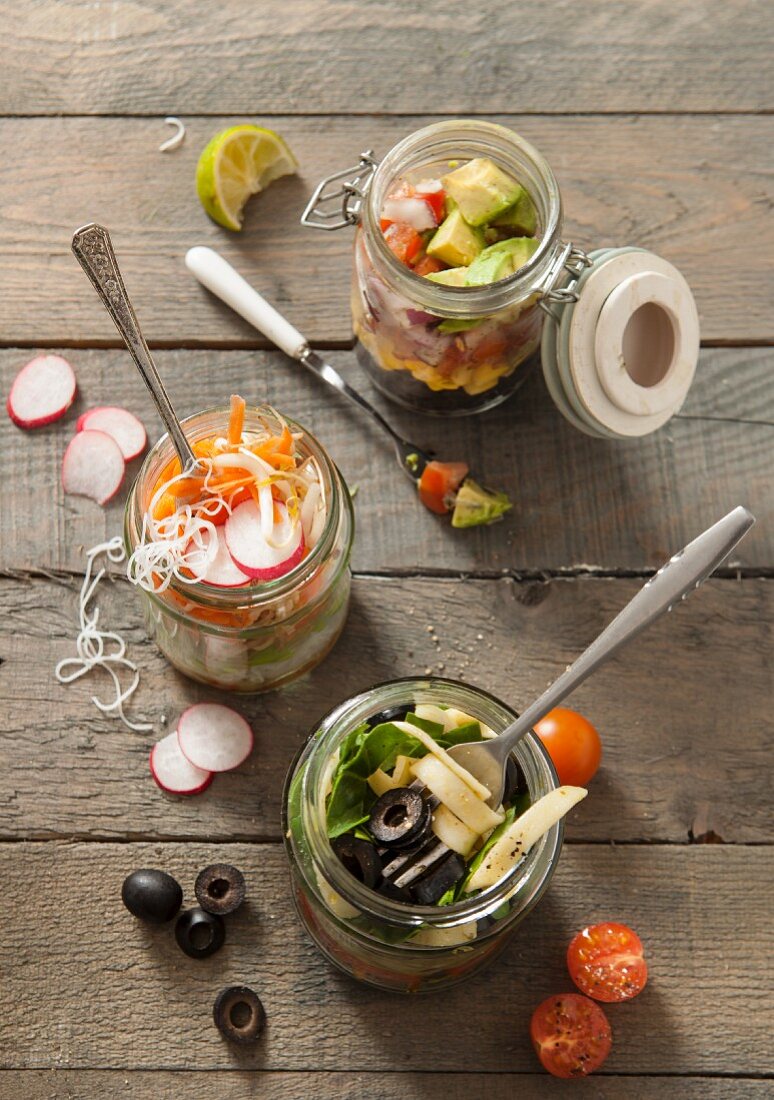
(570, 259)
(345, 201)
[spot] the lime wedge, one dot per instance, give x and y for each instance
(237, 163)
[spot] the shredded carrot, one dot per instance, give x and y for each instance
(236, 421)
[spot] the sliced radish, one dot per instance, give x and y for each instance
(93, 466)
(42, 391)
(253, 553)
(214, 737)
(173, 772)
(122, 425)
(221, 570)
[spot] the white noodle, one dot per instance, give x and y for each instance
(91, 642)
(177, 138)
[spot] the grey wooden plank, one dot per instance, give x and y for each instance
(127, 997)
(577, 502)
(695, 189)
(241, 1084)
(735, 384)
(367, 57)
(684, 714)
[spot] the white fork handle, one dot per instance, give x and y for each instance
(219, 276)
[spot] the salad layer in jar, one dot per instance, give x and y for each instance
(242, 564)
(405, 877)
(463, 225)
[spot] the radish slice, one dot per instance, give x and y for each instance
(93, 466)
(122, 425)
(213, 737)
(221, 570)
(172, 772)
(253, 553)
(42, 392)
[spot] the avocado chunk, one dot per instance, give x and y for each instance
(476, 506)
(500, 260)
(453, 276)
(455, 242)
(521, 217)
(481, 190)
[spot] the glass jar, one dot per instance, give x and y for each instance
(258, 637)
(385, 943)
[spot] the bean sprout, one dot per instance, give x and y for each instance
(91, 643)
(177, 138)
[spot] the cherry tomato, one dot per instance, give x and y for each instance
(571, 1035)
(606, 963)
(428, 265)
(439, 482)
(404, 241)
(573, 745)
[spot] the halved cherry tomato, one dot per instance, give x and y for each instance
(428, 265)
(571, 1035)
(573, 745)
(605, 962)
(436, 200)
(404, 241)
(439, 482)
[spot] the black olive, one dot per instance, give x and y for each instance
(395, 893)
(389, 714)
(200, 934)
(220, 888)
(399, 818)
(151, 895)
(359, 857)
(515, 782)
(440, 878)
(239, 1014)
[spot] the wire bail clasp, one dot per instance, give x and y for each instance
(345, 201)
(571, 259)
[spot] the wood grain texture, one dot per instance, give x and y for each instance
(684, 714)
(694, 189)
(578, 502)
(376, 56)
(144, 1005)
(241, 1084)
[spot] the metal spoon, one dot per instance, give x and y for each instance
(94, 252)
(683, 573)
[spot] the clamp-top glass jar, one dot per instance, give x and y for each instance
(458, 349)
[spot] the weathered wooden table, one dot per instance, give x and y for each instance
(654, 119)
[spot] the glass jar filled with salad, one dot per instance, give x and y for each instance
(402, 874)
(243, 564)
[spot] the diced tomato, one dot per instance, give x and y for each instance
(385, 224)
(606, 963)
(491, 348)
(428, 265)
(571, 1035)
(438, 484)
(436, 200)
(403, 241)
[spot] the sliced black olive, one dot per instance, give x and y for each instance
(440, 878)
(360, 858)
(395, 893)
(400, 818)
(199, 934)
(220, 888)
(151, 895)
(515, 782)
(239, 1014)
(389, 714)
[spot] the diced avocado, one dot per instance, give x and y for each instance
(453, 276)
(521, 217)
(481, 190)
(454, 325)
(476, 506)
(500, 260)
(455, 242)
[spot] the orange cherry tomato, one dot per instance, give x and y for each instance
(572, 743)
(438, 484)
(571, 1035)
(605, 962)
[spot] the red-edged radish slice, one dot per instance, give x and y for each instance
(173, 772)
(122, 425)
(253, 553)
(42, 392)
(222, 571)
(214, 737)
(93, 466)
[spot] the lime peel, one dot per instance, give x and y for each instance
(237, 163)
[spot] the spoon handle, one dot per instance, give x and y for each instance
(683, 573)
(94, 252)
